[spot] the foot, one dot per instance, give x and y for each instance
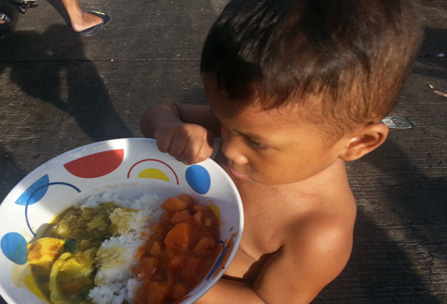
(92, 31)
(87, 20)
(4, 19)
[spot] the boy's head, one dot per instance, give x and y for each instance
(344, 61)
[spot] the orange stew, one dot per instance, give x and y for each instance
(180, 251)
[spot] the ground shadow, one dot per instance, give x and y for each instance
(435, 43)
(12, 10)
(73, 86)
(380, 271)
(10, 174)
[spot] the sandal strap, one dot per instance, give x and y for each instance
(4, 17)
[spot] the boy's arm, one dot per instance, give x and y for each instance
(312, 258)
(296, 273)
(227, 291)
(184, 131)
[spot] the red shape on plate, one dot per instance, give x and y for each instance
(96, 165)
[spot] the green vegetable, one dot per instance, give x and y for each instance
(63, 258)
(69, 278)
(70, 245)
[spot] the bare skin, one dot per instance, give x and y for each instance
(79, 20)
(299, 210)
(296, 239)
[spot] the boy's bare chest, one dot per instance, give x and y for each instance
(268, 212)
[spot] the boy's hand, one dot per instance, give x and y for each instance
(184, 131)
(189, 143)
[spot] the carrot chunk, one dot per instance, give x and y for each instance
(174, 204)
(191, 272)
(205, 246)
(157, 293)
(141, 294)
(149, 265)
(188, 199)
(198, 216)
(156, 249)
(179, 237)
(181, 217)
(176, 261)
(178, 291)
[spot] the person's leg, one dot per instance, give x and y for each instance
(80, 20)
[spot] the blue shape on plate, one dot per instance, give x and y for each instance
(198, 179)
(35, 192)
(216, 265)
(13, 246)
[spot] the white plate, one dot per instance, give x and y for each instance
(125, 166)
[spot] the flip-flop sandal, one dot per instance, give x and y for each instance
(92, 31)
(6, 21)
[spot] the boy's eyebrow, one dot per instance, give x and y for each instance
(253, 136)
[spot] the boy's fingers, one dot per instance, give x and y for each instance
(164, 140)
(195, 152)
(197, 148)
(206, 149)
(190, 151)
(189, 143)
(204, 153)
(178, 145)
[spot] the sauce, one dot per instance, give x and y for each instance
(180, 251)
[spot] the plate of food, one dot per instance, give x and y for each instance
(116, 222)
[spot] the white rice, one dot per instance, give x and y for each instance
(115, 282)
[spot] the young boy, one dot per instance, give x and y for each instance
(295, 89)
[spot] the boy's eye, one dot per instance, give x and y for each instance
(254, 144)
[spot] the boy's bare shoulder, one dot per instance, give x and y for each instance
(318, 207)
(315, 249)
(305, 230)
(323, 203)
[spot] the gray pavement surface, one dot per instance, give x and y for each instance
(59, 91)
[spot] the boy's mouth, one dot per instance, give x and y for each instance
(238, 174)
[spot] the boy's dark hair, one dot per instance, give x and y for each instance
(352, 55)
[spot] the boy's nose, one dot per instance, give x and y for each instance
(232, 152)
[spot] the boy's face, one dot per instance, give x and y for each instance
(275, 146)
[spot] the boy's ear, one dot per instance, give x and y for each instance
(365, 140)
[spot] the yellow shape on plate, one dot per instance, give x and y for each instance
(154, 173)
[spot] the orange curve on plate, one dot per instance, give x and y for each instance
(96, 165)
